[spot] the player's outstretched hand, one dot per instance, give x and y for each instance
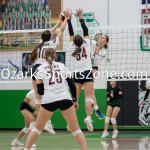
(61, 17)
(79, 13)
(76, 105)
(67, 13)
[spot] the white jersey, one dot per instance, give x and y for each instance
(41, 51)
(32, 97)
(82, 59)
(99, 56)
(56, 88)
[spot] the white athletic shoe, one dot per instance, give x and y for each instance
(105, 134)
(49, 128)
(115, 133)
(17, 143)
(88, 123)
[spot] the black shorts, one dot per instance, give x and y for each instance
(62, 105)
(25, 105)
(34, 69)
(115, 103)
(82, 77)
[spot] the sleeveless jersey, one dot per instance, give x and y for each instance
(83, 59)
(41, 52)
(56, 88)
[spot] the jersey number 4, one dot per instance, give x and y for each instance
(82, 54)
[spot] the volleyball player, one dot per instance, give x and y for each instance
(38, 18)
(9, 7)
(21, 18)
(19, 5)
(6, 19)
(146, 94)
(52, 86)
(30, 19)
(83, 76)
(98, 45)
(27, 110)
(30, 3)
(47, 17)
(114, 95)
(37, 55)
(26, 8)
(41, 6)
(13, 19)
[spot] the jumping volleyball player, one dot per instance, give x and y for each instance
(26, 108)
(37, 55)
(56, 96)
(100, 41)
(83, 67)
(114, 95)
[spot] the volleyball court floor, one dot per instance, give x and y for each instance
(65, 141)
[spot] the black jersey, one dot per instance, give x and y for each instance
(114, 92)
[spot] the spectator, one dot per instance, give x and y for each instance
(3, 6)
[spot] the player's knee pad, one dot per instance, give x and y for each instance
(76, 132)
(89, 100)
(113, 120)
(25, 130)
(36, 130)
(107, 119)
(32, 124)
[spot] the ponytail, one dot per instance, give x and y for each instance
(78, 50)
(50, 61)
(33, 55)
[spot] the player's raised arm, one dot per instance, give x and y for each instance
(70, 29)
(56, 25)
(83, 25)
(67, 14)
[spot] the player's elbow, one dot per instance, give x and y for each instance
(40, 89)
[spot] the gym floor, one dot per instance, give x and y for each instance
(65, 141)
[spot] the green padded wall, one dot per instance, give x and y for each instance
(11, 117)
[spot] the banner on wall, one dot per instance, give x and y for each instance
(144, 110)
(91, 23)
(26, 65)
(144, 1)
(23, 41)
(29, 14)
(10, 65)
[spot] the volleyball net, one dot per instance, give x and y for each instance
(127, 56)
